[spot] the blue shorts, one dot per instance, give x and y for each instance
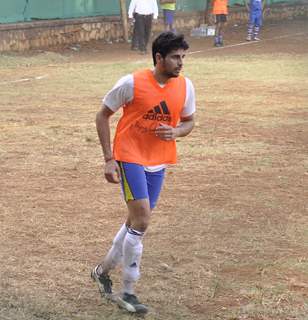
(168, 16)
(255, 18)
(140, 184)
(220, 18)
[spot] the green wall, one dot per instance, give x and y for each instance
(186, 5)
(28, 10)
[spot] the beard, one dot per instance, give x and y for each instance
(172, 74)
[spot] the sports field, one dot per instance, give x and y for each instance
(229, 238)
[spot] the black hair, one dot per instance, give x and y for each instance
(167, 42)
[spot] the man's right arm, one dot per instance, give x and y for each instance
(121, 94)
(112, 170)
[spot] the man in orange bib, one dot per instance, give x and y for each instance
(220, 10)
(158, 107)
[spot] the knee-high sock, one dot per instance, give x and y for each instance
(250, 30)
(114, 255)
(256, 31)
(132, 252)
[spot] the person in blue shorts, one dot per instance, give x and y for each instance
(255, 20)
(168, 7)
(158, 107)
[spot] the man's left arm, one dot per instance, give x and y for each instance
(185, 126)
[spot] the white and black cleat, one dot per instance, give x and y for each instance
(130, 303)
(104, 284)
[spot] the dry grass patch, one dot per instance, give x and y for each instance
(229, 237)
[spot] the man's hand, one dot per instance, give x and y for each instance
(131, 21)
(165, 132)
(112, 171)
(168, 133)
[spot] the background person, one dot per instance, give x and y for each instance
(142, 12)
(168, 7)
(220, 10)
(158, 107)
(255, 20)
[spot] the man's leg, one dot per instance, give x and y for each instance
(139, 215)
(217, 32)
(100, 274)
(139, 25)
(250, 29)
(135, 38)
(141, 190)
(165, 20)
(114, 256)
(258, 22)
(132, 253)
(141, 32)
(169, 18)
(220, 37)
(249, 32)
(256, 31)
(172, 24)
(147, 30)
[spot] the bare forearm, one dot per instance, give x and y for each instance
(103, 131)
(167, 132)
(184, 128)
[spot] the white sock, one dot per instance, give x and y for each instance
(132, 252)
(114, 256)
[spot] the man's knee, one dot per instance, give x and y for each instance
(139, 213)
(141, 220)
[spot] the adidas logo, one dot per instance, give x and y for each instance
(159, 113)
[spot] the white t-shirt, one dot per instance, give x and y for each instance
(143, 7)
(123, 93)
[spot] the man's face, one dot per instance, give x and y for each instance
(172, 64)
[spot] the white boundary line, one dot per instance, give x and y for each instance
(25, 79)
(248, 43)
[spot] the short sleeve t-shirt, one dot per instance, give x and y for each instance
(168, 6)
(123, 93)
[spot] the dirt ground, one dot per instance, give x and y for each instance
(229, 237)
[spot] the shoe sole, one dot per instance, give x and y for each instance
(130, 308)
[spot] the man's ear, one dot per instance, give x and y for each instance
(158, 57)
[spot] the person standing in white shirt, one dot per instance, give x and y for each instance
(142, 12)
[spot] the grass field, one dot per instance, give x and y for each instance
(229, 238)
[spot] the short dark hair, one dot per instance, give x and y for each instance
(167, 42)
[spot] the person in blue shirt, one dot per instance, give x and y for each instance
(255, 20)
